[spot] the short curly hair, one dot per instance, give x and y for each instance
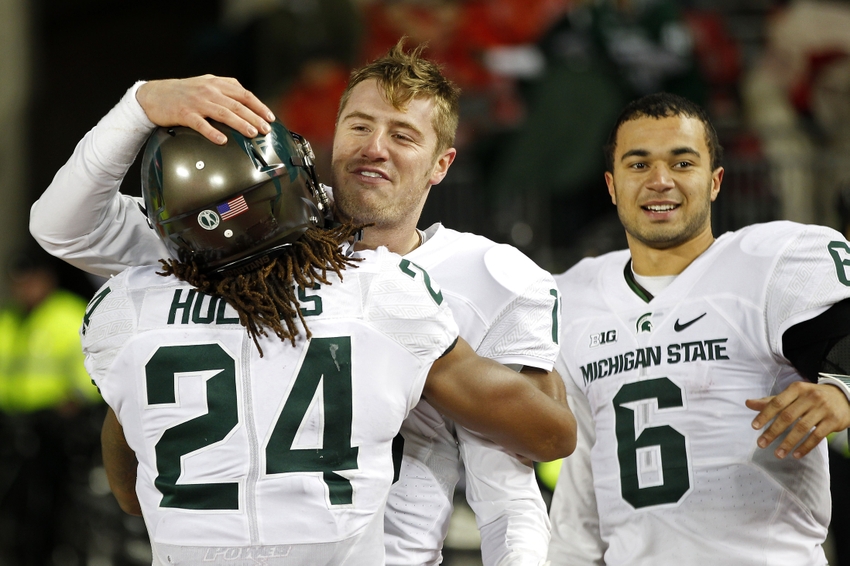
(664, 105)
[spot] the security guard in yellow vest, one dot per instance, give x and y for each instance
(45, 396)
(41, 362)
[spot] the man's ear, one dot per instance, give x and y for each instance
(609, 180)
(716, 180)
(441, 166)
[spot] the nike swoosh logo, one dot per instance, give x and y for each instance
(679, 327)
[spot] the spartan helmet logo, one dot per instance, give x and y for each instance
(644, 323)
(208, 220)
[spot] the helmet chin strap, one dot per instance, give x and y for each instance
(308, 162)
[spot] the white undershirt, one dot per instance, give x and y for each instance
(654, 284)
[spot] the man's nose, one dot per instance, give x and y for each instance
(375, 146)
(660, 178)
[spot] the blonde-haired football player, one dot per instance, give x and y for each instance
(393, 142)
(257, 379)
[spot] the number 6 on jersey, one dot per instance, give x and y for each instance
(654, 467)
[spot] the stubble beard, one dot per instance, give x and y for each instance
(357, 206)
(664, 235)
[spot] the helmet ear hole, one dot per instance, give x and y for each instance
(258, 156)
(225, 205)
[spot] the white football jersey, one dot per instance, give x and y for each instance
(677, 477)
(507, 308)
(282, 459)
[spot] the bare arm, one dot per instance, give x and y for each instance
(120, 463)
(506, 406)
(548, 382)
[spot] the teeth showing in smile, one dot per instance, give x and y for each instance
(370, 174)
(660, 207)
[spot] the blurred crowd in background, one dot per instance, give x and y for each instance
(542, 81)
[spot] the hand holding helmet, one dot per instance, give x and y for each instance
(189, 102)
(223, 206)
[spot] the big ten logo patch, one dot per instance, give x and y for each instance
(601, 338)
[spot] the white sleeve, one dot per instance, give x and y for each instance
(109, 322)
(501, 490)
(524, 332)
(407, 306)
(81, 217)
(574, 515)
(811, 273)
(509, 509)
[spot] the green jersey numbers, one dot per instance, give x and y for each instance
(326, 366)
(556, 308)
(654, 467)
(840, 252)
(414, 271)
(160, 376)
(96, 300)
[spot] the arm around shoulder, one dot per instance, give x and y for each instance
(504, 405)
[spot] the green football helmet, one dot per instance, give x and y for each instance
(232, 206)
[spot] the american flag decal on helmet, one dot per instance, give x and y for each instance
(232, 208)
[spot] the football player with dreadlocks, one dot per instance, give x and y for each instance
(393, 141)
(251, 418)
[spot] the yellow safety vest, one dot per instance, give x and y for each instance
(548, 472)
(41, 360)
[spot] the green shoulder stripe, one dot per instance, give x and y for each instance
(96, 300)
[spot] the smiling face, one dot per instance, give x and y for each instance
(663, 184)
(385, 159)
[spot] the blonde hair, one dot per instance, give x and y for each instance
(403, 76)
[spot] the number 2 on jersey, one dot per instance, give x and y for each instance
(664, 484)
(327, 363)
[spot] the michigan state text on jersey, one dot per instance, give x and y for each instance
(677, 476)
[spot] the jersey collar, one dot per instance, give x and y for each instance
(636, 287)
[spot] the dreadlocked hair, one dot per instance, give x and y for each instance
(265, 297)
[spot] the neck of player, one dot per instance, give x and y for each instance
(401, 240)
(653, 261)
